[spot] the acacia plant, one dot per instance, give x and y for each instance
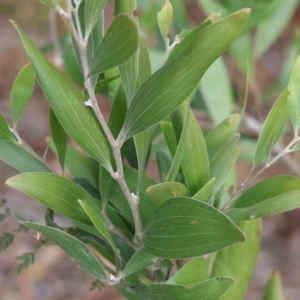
(146, 229)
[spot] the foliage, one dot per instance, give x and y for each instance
(144, 228)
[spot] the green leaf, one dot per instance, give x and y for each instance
(147, 205)
(184, 228)
(5, 133)
(59, 137)
(103, 83)
(195, 164)
(169, 134)
(293, 96)
(164, 18)
(55, 192)
(210, 289)
(164, 191)
(239, 261)
(5, 240)
(94, 213)
(118, 45)
(271, 130)
(93, 9)
(270, 196)
(20, 159)
(164, 164)
(27, 259)
(167, 88)
(222, 160)
(219, 101)
(206, 192)
(225, 130)
(182, 144)
(270, 29)
(191, 273)
(138, 261)
(51, 3)
(273, 289)
(67, 103)
(21, 92)
(75, 249)
(89, 169)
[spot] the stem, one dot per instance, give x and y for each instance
(116, 147)
(250, 178)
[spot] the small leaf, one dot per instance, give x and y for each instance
(67, 103)
(75, 249)
(191, 273)
(210, 289)
(206, 192)
(273, 289)
(103, 83)
(294, 95)
(5, 240)
(93, 9)
(20, 159)
(239, 261)
(21, 92)
(164, 163)
(167, 88)
(51, 3)
(59, 137)
(5, 133)
(164, 191)
(118, 45)
(55, 192)
(138, 261)
(27, 259)
(270, 196)
(164, 18)
(184, 228)
(271, 130)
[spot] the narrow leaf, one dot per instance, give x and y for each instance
(273, 290)
(294, 95)
(67, 103)
(206, 192)
(195, 163)
(139, 260)
(239, 261)
(59, 137)
(184, 228)
(268, 197)
(93, 9)
(20, 159)
(75, 249)
(169, 134)
(118, 45)
(164, 18)
(55, 192)
(210, 289)
(93, 211)
(163, 92)
(164, 191)
(21, 92)
(164, 163)
(271, 130)
(191, 273)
